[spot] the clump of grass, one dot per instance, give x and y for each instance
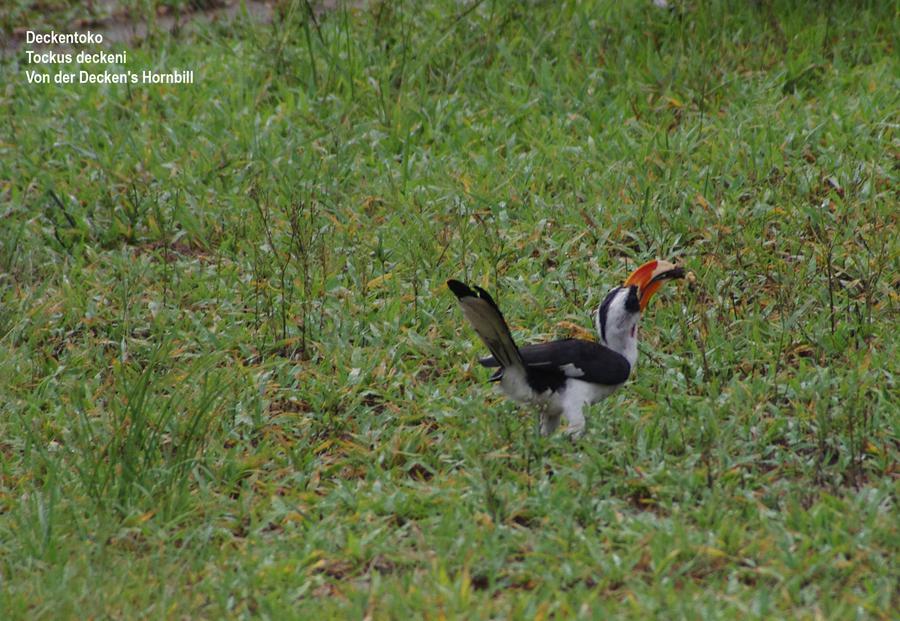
(140, 454)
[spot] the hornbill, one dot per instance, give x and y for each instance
(562, 377)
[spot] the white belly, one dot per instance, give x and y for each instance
(575, 394)
(578, 393)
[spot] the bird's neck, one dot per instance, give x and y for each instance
(624, 342)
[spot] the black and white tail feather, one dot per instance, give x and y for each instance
(487, 320)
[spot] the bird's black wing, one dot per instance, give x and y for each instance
(573, 358)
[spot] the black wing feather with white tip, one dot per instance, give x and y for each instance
(574, 358)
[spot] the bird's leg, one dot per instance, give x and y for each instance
(575, 420)
(549, 421)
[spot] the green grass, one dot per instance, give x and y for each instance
(232, 382)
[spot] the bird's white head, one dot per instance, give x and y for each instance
(618, 315)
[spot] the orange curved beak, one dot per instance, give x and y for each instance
(650, 276)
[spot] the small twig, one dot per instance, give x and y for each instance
(462, 15)
(62, 208)
(315, 22)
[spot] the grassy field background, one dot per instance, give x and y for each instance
(232, 382)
